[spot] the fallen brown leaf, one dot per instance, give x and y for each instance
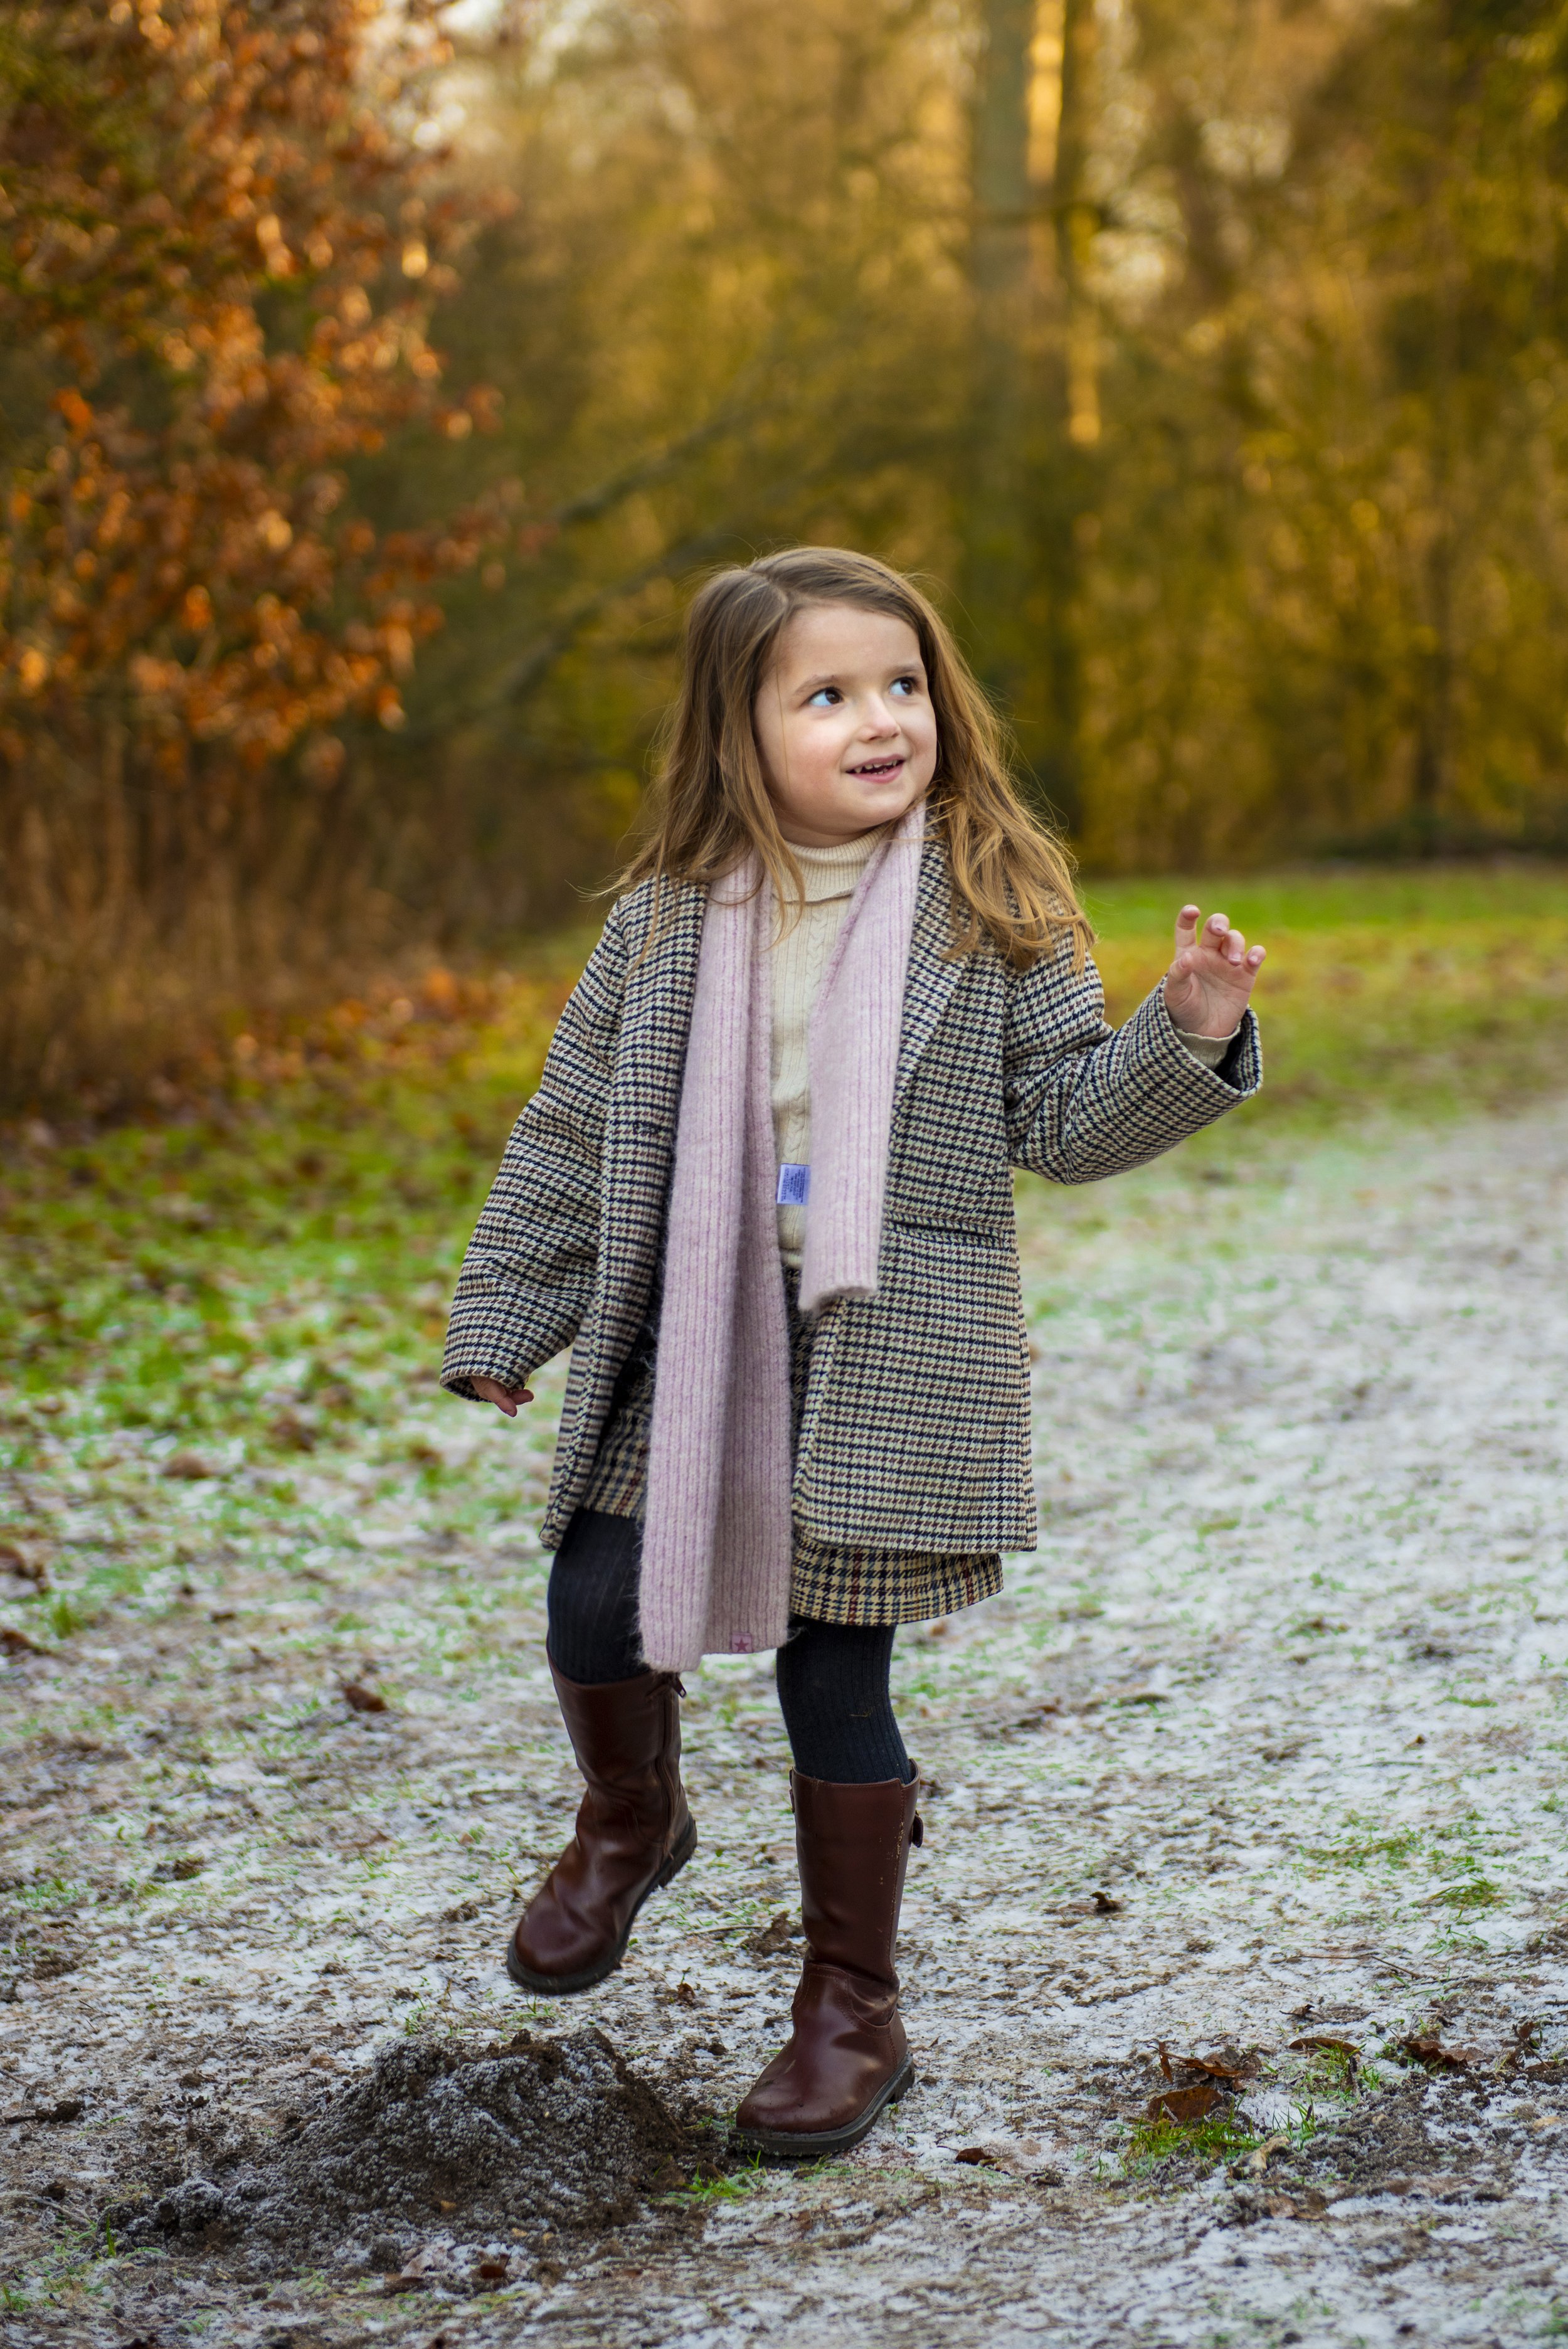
(22, 1563)
(361, 1699)
(493, 2271)
(293, 1432)
(1184, 2103)
(772, 1937)
(1255, 2163)
(1225, 2064)
(979, 2157)
(1525, 2034)
(1105, 1906)
(189, 1468)
(1328, 2043)
(16, 1643)
(1306, 2202)
(1435, 2056)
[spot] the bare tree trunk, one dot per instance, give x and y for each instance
(999, 563)
(1035, 405)
(1075, 223)
(1069, 524)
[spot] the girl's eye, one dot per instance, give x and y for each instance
(906, 685)
(824, 698)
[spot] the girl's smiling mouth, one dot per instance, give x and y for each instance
(880, 770)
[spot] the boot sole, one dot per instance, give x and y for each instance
(818, 2144)
(568, 1986)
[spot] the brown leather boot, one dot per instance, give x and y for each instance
(634, 1833)
(847, 2055)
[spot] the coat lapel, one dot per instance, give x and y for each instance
(657, 1016)
(933, 972)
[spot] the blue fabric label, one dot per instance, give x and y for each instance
(794, 1185)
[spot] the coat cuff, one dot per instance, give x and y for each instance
(458, 1379)
(490, 1336)
(1238, 1075)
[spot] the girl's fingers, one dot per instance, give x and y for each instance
(505, 1399)
(1186, 927)
(1254, 957)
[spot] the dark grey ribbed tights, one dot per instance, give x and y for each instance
(832, 1677)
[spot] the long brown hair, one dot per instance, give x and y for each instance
(1012, 877)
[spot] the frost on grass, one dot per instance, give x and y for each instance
(540, 2132)
(1259, 1759)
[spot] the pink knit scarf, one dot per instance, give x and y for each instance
(717, 1539)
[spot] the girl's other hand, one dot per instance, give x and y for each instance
(1207, 986)
(504, 1398)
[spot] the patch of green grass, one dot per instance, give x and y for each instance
(1475, 1892)
(1217, 2137)
(1389, 1849)
(197, 1312)
(710, 2188)
(63, 1616)
(1425, 989)
(1330, 2072)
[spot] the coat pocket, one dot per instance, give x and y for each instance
(915, 1430)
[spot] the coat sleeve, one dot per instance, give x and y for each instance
(1085, 1100)
(527, 1275)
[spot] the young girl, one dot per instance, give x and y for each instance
(764, 1191)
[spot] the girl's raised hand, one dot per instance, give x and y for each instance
(1207, 986)
(504, 1398)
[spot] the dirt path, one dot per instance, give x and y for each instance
(1264, 1745)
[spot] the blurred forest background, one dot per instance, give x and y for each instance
(375, 381)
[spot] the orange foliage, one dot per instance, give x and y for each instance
(222, 255)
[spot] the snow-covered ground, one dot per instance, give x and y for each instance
(1265, 1743)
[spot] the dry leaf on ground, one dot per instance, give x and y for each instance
(1325, 2041)
(1224, 2063)
(772, 1937)
(1435, 2056)
(1184, 2103)
(362, 1699)
(1252, 2165)
(189, 1468)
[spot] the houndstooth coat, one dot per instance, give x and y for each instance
(914, 1435)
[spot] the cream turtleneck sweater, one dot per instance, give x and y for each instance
(800, 962)
(830, 878)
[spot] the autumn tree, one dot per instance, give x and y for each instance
(221, 251)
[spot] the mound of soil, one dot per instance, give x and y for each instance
(539, 2132)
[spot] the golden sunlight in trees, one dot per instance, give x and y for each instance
(376, 381)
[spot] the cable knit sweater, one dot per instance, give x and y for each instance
(800, 958)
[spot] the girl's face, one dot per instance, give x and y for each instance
(844, 724)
